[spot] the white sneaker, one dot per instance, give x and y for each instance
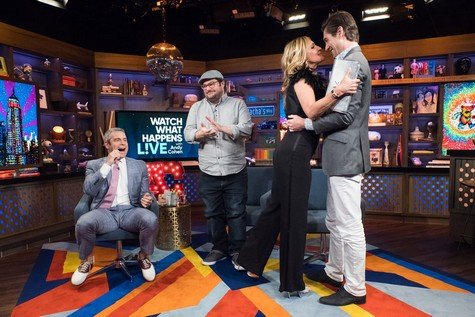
(81, 273)
(148, 270)
(237, 267)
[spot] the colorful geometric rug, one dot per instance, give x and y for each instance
(184, 287)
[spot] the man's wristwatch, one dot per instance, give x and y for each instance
(334, 96)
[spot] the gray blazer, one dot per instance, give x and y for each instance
(96, 186)
(345, 148)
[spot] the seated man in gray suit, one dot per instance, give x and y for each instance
(120, 190)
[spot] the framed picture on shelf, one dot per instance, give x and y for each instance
(376, 156)
(381, 109)
(3, 67)
(425, 99)
(380, 94)
(42, 99)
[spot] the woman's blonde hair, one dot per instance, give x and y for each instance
(294, 58)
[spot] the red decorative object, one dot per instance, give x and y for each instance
(157, 172)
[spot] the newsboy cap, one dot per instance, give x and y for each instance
(210, 74)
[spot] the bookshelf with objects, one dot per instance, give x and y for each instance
(66, 108)
(260, 91)
(39, 206)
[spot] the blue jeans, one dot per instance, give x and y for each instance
(225, 198)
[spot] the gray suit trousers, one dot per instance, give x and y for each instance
(130, 218)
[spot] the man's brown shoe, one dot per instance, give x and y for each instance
(80, 275)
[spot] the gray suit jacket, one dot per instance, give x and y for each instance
(345, 148)
(96, 186)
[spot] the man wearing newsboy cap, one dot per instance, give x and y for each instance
(220, 124)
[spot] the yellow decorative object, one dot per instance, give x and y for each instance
(58, 134)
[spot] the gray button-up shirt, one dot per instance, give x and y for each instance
(222, 155)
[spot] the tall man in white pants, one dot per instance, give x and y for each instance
(345, 158)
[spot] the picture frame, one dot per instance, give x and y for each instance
(42, 98)
(376, 156)
(3, 67)
(381, 109)
(424, 99)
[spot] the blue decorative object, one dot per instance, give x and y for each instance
(262, 111)
(252, 98)
(267, 125)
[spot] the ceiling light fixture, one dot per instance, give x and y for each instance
(164, 60)
(375, 14)
(243, 15)
(296, 21)
(208, 30)
(297, 17)
(55, 3)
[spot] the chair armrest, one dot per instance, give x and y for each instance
(83, 206)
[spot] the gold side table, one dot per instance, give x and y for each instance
(174, 227)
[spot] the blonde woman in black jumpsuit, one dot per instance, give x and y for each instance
(286, 213)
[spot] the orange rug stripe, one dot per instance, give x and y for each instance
(267, 305)
(375, 263)
(56, 268)
(158, 286)
(188, 291)
(138, 290)
(381, 304)
(234, 303)
(59, 298)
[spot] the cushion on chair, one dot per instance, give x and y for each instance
(318, 190)
(259, 181)
(84, 205)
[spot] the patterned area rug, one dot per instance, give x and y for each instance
(184, 287)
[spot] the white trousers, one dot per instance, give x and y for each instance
(347, 255)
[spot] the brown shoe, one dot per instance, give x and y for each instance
(148, 270)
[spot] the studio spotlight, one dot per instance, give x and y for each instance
(296, 21)
(55, 3)
(375, 14)
(274, 12)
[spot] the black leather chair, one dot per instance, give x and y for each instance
(118, 235)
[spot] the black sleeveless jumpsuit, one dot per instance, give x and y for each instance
(286, 212)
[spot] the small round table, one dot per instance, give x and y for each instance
(174, 227)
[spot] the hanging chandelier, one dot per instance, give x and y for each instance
(163, 59)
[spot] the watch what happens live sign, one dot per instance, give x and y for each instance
(155, 136)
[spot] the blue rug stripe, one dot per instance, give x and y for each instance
(429, 272)
(123, 289)
(36, 283)
(390, 278)
(233, 278)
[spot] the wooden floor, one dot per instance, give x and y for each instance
(422, 243)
